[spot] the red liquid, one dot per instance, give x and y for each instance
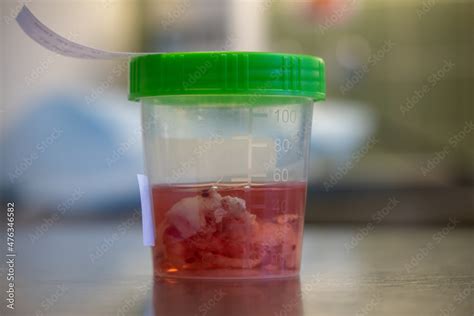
(228, 231)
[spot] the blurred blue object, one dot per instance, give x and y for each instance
(339, 129)
(68, 155)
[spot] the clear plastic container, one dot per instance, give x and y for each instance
(227, 169)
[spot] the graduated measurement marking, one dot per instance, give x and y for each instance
(251, 145)
(249, 150)
(240, 137)
(285, 116)
(281, 145)
(280, 174)
(249, 158)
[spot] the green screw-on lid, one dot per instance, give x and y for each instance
(218, 73)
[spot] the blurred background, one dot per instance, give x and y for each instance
(397, 123)
(392, 146)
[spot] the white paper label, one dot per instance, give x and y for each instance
(47, 38)
(147, 217)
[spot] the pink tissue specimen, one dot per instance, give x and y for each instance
(241, 229)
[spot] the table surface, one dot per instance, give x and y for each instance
(102, 269)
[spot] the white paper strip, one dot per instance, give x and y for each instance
(47, 38)
(147, 217)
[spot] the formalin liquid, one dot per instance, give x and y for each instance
(228, 230)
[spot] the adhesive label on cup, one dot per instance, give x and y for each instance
(49, 39)
(147, 216)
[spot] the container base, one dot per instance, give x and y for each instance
(225, 274)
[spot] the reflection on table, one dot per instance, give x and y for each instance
(227, 297)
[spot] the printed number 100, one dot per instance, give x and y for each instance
(285, 116)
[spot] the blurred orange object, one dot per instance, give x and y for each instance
(335, 11)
